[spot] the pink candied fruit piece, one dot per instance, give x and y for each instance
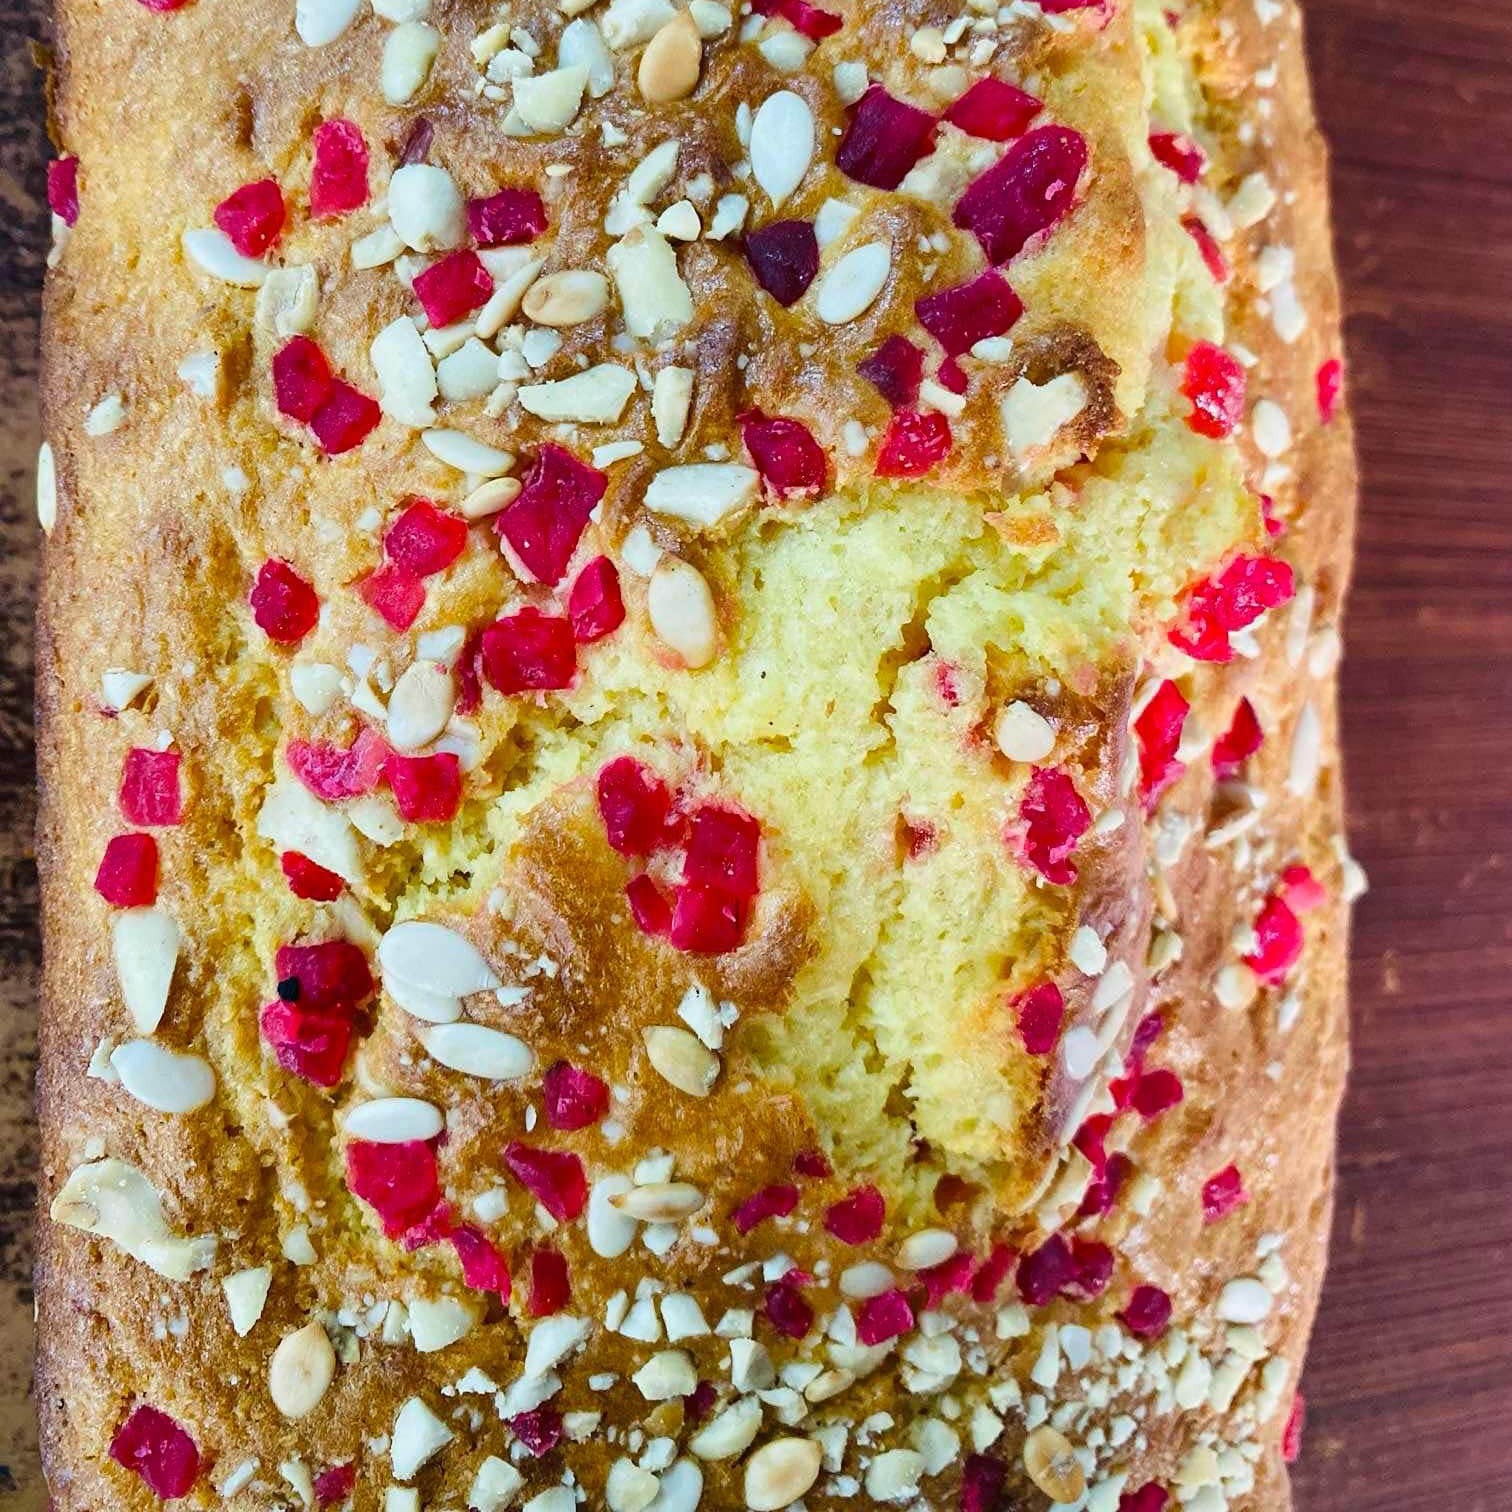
(484, 1269)
(1102, 1191)
(574, 1098)
(426, 789)
(994, 110)
(1026, 193)
(1239, 742)
(634, 804)
(952, 1275)
(1146, 1032)
(1092, 1263)
(345, 420)
(159, 1450)
(648, 906)
(895, 370)
(884, 1317)
(857, 1218)
(252, 217)
(308, 879)
(394, 594)
(774, 1201)
(1301, 889)
(1278, 940)
(1156, 1092)
(150, 793)
(791, 463)
(162, 7)
(960, 317)
(784, 256)
(330, 974)
(284, 606)
(425, 540)
(339, 176)
(1040, 1010)
(1207, 246)
(1215, 383)
(539, 1430)
(951, 375)
(982, 1479)
(302, 379)
(1045, 1272)
(334, 1484)
(1237, 597)
(1291, 1434)
(992, 1273)
(453, 286)
(786, 1310)
(547, 518)
(811, 1163)
(595, 604)
(398, 1181)
(550, 1284)
(506, 218)
(529, 651)
(553, 1177)
(310, 1045)
(1158, 731)
(1178, 152)
(331, 773)
(814, 23)
(1330, 385)
(1222, 1192)
(723, 846)
(884, 139)
(1148, 1498)
(128, 872)
(63, 189)
(1052, 816)
(706, 920)
(1091, 1140)
(1147, 1312)
(914, 443)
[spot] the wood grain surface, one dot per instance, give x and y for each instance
(1410, 1378)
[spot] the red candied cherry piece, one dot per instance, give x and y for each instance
(284, 606)
(1025, 194)
(128, 872)
(331, 974)
(1102, 1191)
(553, 1177)
(884, 1317)
(345, 420)
(811, 1163)
(634, 804)
(1237, 597)
(63, 189)
(952, 1275)
(1040, 1010)
(982, 1479)
(857, 1218)
(1222, 1193)
(1239, 742)
(539, 1430)
(506, 218)
(895, 370)
(648, 906)
(915, 441)
(574, 1098)
(1148, 1498)
(1274, 524)
(700, 1401)
(150, 787)
(775, 1201)
(815, 24)
(426, 789)
(594, 603)
(722, 851)
(162, 7)
(308, 879)
(550, 513)
(1044, 1273)
(960, 317)
(550, 1285)
(159, 1450)
(1158, 730)
(1207, 245)
(1093, 1262)
(1291, 1434)
(302, 379)
(1053, 817)
(1302, 891)
(784, 256)
(791, 463)
(1147, 1312)
(339, 177)
(452, 287)
(1215, 383)
(334, 1484)
(528, 651)
(252, 216)
(787, 1311)
(951, 375)
(1178, 152)
(706, 920)
(424, 539)
(1330, 385)
(885, 138)
(1146, 1032)
(1091, 1140)
(992, 1273)
(994, 111)
(1278, 940)
(398, 1181)
(310, 1045)
(331, 773)
(469, 676)
(484, 1269)
(1155, 1092)
(393, 593)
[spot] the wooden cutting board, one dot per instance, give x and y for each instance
(1410, 1379)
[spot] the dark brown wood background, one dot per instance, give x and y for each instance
(1410, 1378)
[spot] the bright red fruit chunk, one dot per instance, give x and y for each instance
(550, 1286)
(982, 1479)
(1044, 1273)
(547, 519)
(1149, 1498)
(1291, 1435)
(160, 1451)
(992, 1272)
(1158, 730)
(914, 443)
(815, 24)
(483, 1267)
(540, 1429)
(1330, 383)
(1040, 1011)
(507, 218)
(1026, 193)
(1278, 940)
(775, 1201)
(857, 1218)
(1207, 245)
(63, 189)
(427, 789)
(331, 974)
(960, 317)
(786, 1310)
(1053, 816)
(1093, 1262)
(334, 1484)
(1178, 152)
(553, 1177)
(128, 872)
(1091, 1139)
(791, 463)
(952, 1275)
(784, 256)
(1102, 1191)
(308, 879)
(1214, 381)
(885, 138)
(811, 1163)
(1155, 1092)
(884, 1317)
(332, 774)
(1222, 1193)
(311, 1045)
(574, 1098)
(452, 287)
(302, 379)
(162, 7)
(393, 593)
(398, 1181)
(1147, 1312)
(648, 907)
(1302, 891)
(150, 787)
(284, 605)
(594, 603)
(896, 369)
(993, 110)
(529, 650)
(633, 803)
(339, 178)
(1241, 740)
(722, 851)
(1237, 597)
(424, 539)
(706, 920)
(252, 216)
(345, 420)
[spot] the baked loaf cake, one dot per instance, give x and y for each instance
(692, 847)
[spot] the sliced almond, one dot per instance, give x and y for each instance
(659, 1202)
(1052, 1465)
(567, 298)
(682, 1059)
(548, 103)
(849, 288)
(490, 498)
(702, 493)
(146, 946)
(780, 1472)
(782, 144)
(161, 1079)
(595, 397)
(680, 606)
(302, 1368)
(671, 400)
(654, 297)
(670, 65)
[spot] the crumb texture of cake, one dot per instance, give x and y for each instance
(691, 815)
